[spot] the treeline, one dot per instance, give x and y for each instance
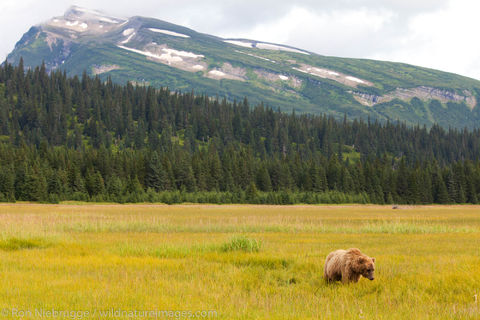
(80, 139)
(235, 176)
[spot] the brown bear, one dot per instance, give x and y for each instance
(348, 266)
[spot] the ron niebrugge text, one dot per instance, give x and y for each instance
(110, 313)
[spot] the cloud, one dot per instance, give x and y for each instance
(238, 15)
(444, 39)
(340, 33)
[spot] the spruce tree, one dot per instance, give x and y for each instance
(155, 176)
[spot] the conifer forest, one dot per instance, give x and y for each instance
(84, 139)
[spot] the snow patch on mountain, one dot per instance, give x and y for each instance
(185, 54)
(345, 79)
(240, 43)
(81, 20)
(145, 53)
(183, 60)
(269, 46)
(255, 56)
(131, 35)
(263, 45)
(216, 73)
(105, 19)
(198, 67)
(87, 14)
(354, 79)
(168, 32)
(128, 31)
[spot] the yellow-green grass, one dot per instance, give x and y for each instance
(193, 257)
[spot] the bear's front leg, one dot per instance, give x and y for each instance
(345, 275)
(349, 276)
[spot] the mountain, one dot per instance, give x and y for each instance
(152, 52)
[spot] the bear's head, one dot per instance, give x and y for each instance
(366, 267)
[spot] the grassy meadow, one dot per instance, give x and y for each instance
(241, 261)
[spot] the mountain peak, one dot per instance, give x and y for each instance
(81, 20)
(76, 12)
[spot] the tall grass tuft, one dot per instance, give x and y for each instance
(241, 243)
(14, 244)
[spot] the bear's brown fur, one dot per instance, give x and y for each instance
(348, 266)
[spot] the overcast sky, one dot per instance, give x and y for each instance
(441, 34)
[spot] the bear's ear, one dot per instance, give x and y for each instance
(373, 259)
(361, 260)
